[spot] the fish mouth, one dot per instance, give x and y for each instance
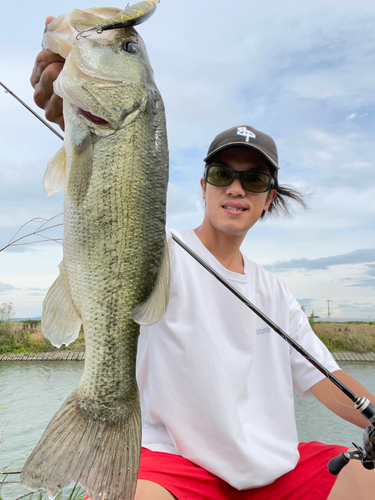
(92, 118)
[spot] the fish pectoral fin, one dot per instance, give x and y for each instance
(61, 322)
(80, 170)
(154, 307)
(54, 178)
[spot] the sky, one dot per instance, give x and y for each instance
(302, 72)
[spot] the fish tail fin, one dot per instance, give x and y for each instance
(101, 455)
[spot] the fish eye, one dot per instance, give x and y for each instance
(130, 47)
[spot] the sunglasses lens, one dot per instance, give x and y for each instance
(220, 176)
(252, 180)
(256, 182)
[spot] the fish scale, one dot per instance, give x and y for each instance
(115, 271)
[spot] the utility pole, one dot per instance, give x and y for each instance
(329, 311)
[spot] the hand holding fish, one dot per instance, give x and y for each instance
(46, 69)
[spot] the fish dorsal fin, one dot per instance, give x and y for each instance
(54, 178)
(60, 319)
(154, 307)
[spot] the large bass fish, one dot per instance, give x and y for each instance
(115, 273)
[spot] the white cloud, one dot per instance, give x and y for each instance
(5, 287)
(303, 74)
(351, 117)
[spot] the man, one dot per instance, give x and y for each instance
(216, 383)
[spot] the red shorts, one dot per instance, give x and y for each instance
(309, 480)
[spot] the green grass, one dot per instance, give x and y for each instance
(25, 337)
(28, 342)
(353, 342)
(344, 336)
(15, 337)
(351, 336)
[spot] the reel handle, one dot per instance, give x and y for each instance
(365, 453)
(335, 465)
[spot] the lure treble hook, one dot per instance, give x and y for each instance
(80, 32)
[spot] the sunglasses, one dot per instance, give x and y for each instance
(251, 180)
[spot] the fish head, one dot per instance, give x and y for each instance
(107, 79)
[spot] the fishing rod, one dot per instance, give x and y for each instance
(365, 452)
(31, 111)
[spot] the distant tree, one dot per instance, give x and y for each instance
(6, 312)
(6, 315)
(310, 317)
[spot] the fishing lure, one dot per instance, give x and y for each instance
(131, 16)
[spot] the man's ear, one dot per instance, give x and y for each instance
(203, 186)
(271, 196)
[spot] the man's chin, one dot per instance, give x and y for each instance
(234, 229)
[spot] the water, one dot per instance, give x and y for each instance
(316, 422)
(31, 393)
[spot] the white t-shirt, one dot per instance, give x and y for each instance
(216, 382)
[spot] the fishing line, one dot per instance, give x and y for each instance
(335, 399)
(333, 395)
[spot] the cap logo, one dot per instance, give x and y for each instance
(246, 133)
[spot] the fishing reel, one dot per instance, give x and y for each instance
(365, 453)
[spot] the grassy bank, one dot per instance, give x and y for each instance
(351, 336)
(338, 337)
(26, 338)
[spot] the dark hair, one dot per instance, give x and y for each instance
(281, 206)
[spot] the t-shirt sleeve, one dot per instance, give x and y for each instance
(305, 375)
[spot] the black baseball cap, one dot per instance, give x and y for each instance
(245, 136)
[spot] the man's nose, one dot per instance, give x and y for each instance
(235, 187)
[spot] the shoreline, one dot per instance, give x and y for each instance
(80, 356)
(64, 355)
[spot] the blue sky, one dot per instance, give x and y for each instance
(301, 71)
